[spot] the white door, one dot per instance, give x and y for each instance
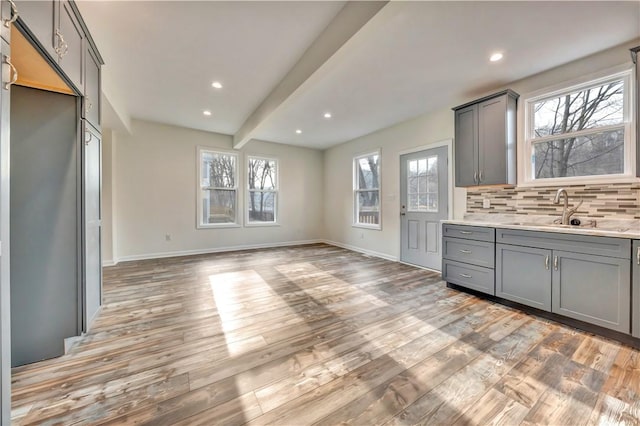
(423, 204)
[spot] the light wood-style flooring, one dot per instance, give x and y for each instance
(320, 335)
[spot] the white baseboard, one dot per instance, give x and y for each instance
(361, 250)
(109, 263)
(212, 250)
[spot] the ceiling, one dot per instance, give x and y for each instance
(282, 70)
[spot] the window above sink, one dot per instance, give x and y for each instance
(581, 132)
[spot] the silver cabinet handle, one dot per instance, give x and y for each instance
(638, 256)
(465, 251)
(546, 262)
(475, 177)
(14, 72)
(62, 48)
(480, 177)
(466, 232)
(465, 276)
(14, 15)
(87, 134)
(87, 104)
(555, 262)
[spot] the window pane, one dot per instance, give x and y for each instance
(262, 174)
(218, 170)
(422, 185)
(367, 169)
(262, 206)
(600, 153)
(368, 207)
(589, 108)
(218, 206)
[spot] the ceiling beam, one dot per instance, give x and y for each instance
(351, 19)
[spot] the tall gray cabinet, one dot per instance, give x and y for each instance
(635, 288)
(485, 140)
(61, 39)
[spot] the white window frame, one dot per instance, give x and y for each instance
(356, 191)
(275, 191)
(525, 158)
(200, 224)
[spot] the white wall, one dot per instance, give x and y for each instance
(424, 130)
(106, 204)
(155, 171)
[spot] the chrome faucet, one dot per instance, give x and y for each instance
(566, 211)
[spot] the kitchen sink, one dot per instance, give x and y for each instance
(583, 224)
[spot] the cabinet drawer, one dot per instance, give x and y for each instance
(470, 276)
(478, 233)
(480, 253)
(588, 244)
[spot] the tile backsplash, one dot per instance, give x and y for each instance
(616, 200)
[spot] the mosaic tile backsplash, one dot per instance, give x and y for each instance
(616, 200)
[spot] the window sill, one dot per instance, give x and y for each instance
(365, 226)
(218, 226)
(259, 224)
(578, 181)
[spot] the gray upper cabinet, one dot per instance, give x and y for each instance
(91, 110)
(635, 288)
(635, 55)
(70, 47)
(466, 142)
(40, 18)
(485, 140)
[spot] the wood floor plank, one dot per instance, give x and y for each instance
(319, 334)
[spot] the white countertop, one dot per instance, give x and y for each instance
(619, 228)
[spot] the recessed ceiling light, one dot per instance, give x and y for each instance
(298, 131)
(495, 57)
(216, 85)
(206, 112)
(327, 115)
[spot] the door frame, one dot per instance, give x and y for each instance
(449, 144)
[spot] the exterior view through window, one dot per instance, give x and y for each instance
(422, 184)
(366, 184)
(218, 188)
(581, 132)
(263, 190)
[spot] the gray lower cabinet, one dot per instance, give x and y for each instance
(635, 289)
(578, 276)
(593, 289)
(468, 257)
(531, 288)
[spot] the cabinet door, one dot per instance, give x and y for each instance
(466, 145)
(635, 289)
(71, 36)
(40, 17)
(92, 225)
(5, 289)
(532, 288)
(6, 14)
(91, 110)
(492, 150)
(593, 289)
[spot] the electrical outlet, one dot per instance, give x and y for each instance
(167, 237)
(486, 203)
